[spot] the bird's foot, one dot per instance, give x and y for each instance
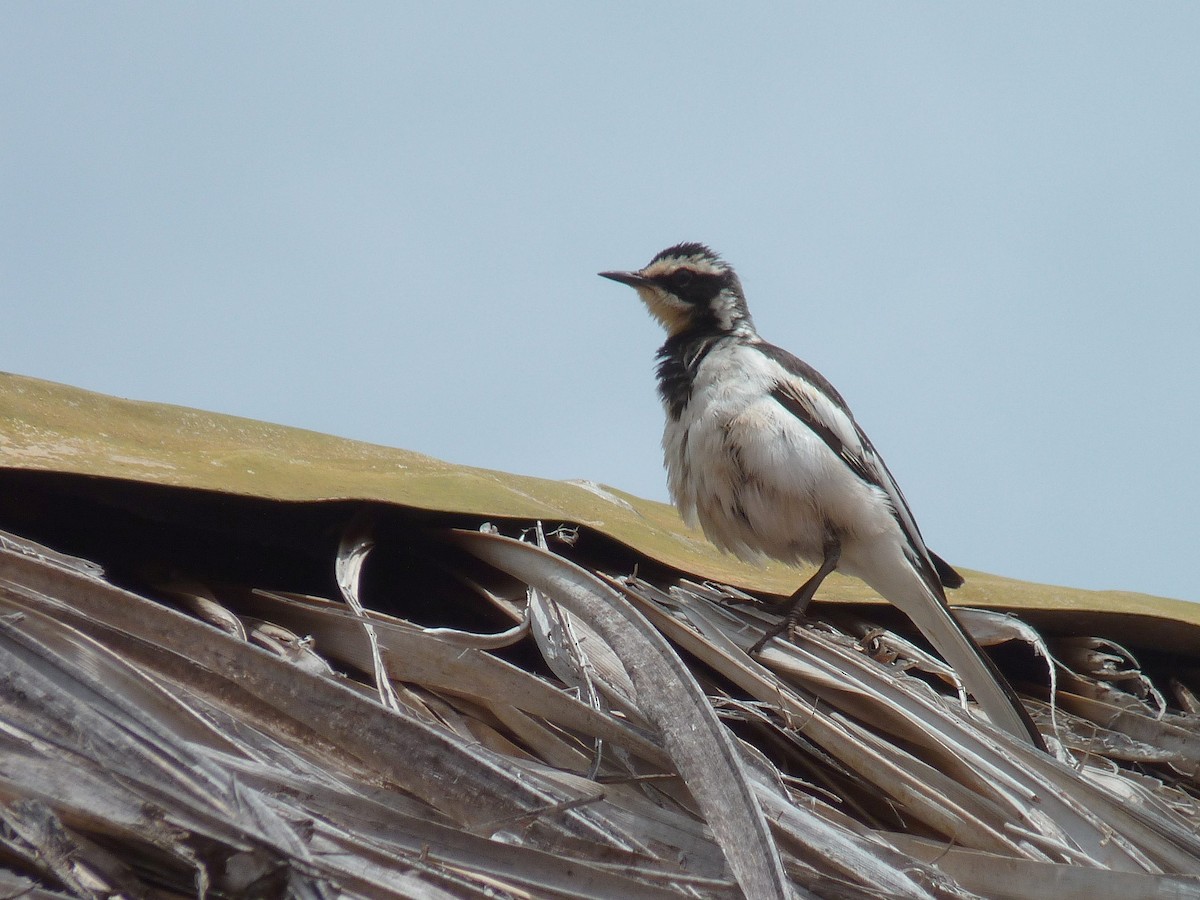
(784, 626)
(798, 604)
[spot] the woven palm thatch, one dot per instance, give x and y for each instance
(244, 661)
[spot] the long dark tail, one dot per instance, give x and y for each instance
(926, 605)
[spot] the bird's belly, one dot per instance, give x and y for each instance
(761, 483)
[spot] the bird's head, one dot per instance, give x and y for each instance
(688, 287)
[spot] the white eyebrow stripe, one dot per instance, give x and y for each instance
(701, 264)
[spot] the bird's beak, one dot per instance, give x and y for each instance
(633, 279)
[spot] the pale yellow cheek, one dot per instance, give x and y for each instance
(670, 312)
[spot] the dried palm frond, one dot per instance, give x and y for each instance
(228, 694)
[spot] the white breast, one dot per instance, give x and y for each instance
(756, 478)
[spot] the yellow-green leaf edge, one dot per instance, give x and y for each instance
(56, 428)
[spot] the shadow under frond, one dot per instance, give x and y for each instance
(192, 706)
(332, 678)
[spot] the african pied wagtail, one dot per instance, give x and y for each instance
(763, 452)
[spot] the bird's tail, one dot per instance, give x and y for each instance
(926, 606)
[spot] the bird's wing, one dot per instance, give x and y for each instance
(807, 395)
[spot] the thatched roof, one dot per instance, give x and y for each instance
(245, 660)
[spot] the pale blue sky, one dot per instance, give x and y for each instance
(383, 221)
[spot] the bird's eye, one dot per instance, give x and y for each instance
(681, 278)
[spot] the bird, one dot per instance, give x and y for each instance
(764, 454)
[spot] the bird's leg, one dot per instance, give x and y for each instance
(799, 601)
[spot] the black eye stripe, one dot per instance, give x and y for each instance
(692, 286)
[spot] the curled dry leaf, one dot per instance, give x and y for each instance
(274, 679)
